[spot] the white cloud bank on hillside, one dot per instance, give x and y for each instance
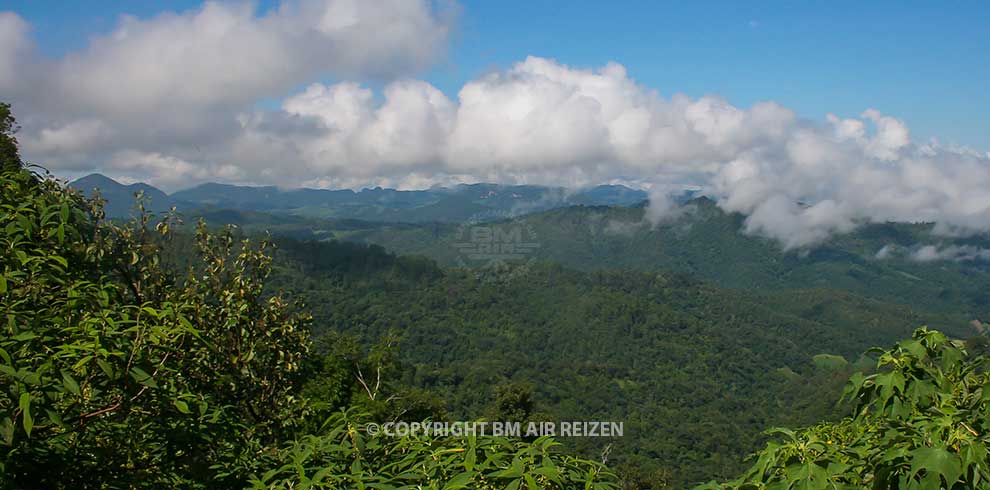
(958, 253)
(542, 122)
(190, 116)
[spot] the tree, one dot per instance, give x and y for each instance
(512, 402)
(118, 370)
(9, 156)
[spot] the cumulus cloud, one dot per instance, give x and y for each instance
(172, 100)
(828, 179)
(225, 54)
(408, 130)
(185, 85)
(543, 122)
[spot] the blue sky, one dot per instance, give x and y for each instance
(926, 63)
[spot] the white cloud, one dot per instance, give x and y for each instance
(926, 253)
(363, 139)
(182, 84)
(957, 253)
(225, 54)
(662, 208)
(846, 176)
(14, 47)
(173, 99)
(165, 169)
(885, 252)
(80, 136)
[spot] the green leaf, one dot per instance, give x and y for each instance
(61, 260)
(54, 417)
(914, 347)
(25, 404)
(549, 472)
(470, 458)
(181, 405)
(21, 337)
(107, 369)
(70, 383)
(936, 462)
(461, 480)
(531, 482)
(143, 377)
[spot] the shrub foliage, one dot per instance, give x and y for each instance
(120, 371)
(921, 421)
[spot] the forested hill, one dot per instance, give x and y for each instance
(695, 371)
(711, 244)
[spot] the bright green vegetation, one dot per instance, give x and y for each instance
(922, 421)
(120, 370)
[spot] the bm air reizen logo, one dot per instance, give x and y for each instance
(493, 244)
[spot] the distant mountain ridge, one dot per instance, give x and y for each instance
(120, 198)
(441, 204)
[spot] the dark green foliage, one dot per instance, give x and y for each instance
(512, 402)
(347, 375)
(696, 372)
(353, 260)
(642, 475)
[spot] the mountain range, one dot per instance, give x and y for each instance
(478, 202)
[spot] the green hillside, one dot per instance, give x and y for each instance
(695, 371)
(710, 244)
